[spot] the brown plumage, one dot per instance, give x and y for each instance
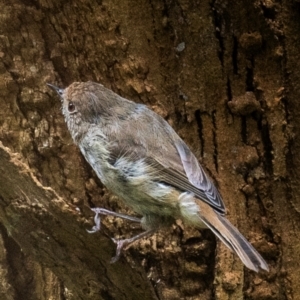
(140, 158)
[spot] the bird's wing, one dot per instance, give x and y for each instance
(191, 179)
(169, 156)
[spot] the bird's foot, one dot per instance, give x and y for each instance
(102, 211)
(125, 243)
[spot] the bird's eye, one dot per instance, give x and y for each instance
(71, 107)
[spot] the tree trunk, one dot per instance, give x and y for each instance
(224, 74)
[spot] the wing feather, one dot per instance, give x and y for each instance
(197, 176)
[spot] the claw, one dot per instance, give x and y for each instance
(114, 259)
(120, 245)
(97, 221)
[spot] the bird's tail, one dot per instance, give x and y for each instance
(231, 237)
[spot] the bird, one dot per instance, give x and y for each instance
(139, 157)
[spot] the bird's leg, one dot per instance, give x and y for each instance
(102, 211)
(121, 244)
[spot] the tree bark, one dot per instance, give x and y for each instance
(224, 74)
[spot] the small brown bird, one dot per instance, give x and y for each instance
(138, 156)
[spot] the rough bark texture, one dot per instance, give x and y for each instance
(225, 74)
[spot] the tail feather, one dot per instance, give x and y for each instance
(231, 237)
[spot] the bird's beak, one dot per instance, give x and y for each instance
(57, 89)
